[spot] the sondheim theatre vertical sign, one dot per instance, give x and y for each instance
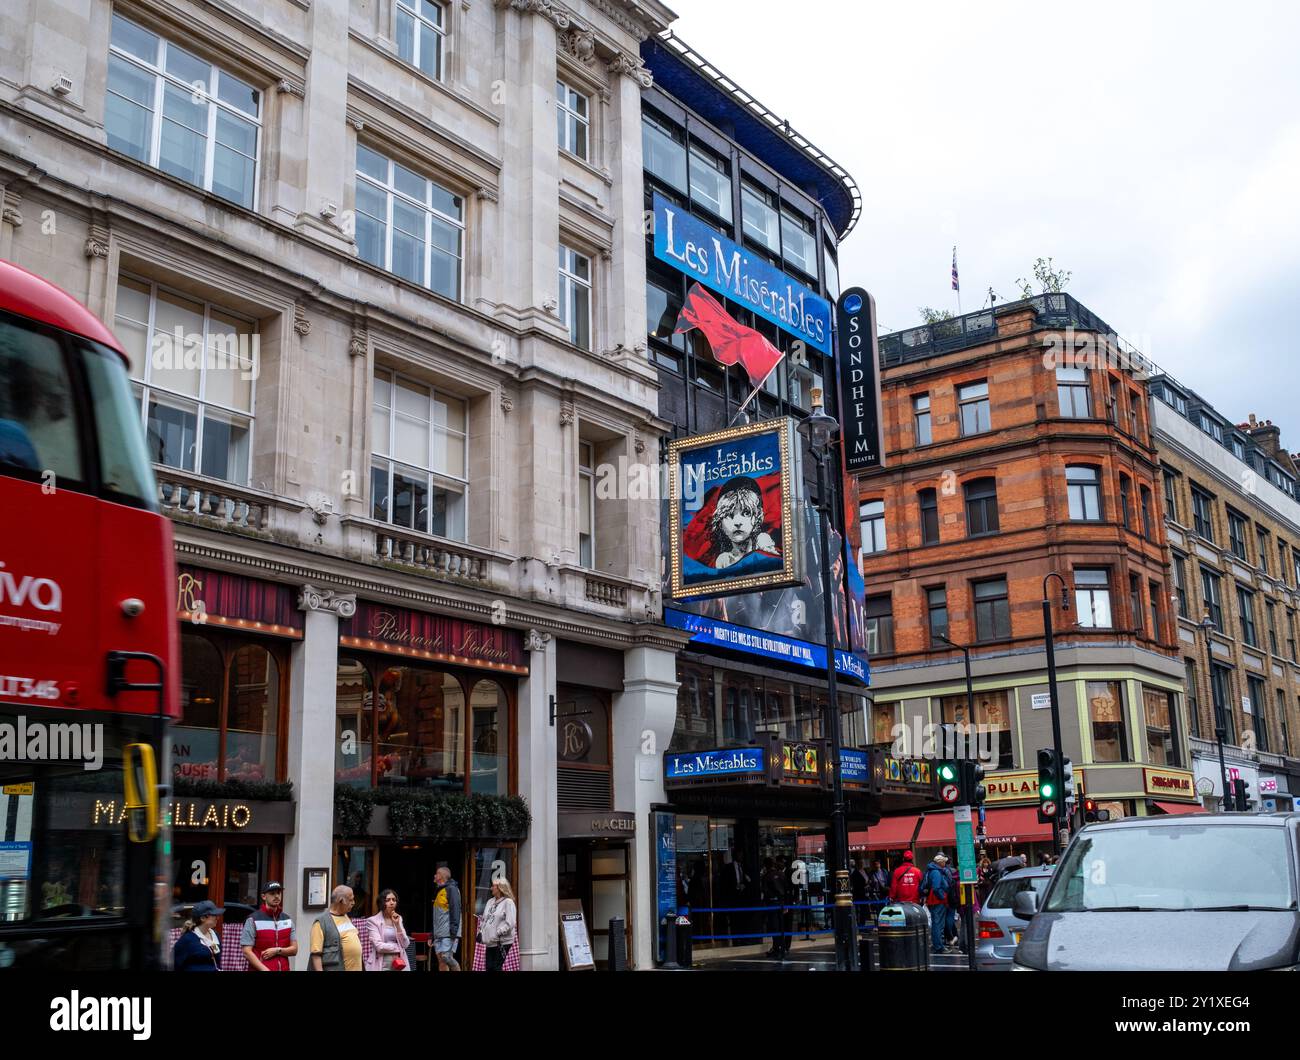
(859, 381)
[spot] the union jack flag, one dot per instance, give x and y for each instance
(955, 285)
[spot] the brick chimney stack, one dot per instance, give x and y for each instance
(1268, 436)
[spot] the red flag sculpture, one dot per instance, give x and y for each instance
(730, 341)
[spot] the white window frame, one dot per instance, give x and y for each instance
(966, 399)
(1083, 493)
(1091, 597)
(873, 527)
(439, 29)
(391, 192)
(920, 408)
(1069, 383)
(157, 70)
(587, 484)
(439, 479)
(570, 281)
(564, 91)
(144, 386)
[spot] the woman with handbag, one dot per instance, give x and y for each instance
(388, 939)
(498, 927)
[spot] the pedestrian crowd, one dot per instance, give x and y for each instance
(269, 937)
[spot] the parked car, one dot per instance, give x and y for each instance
(997, 928)
(1200, 892)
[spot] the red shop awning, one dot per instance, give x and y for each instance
(1180, 807)
(892, 833)
(1015, 824)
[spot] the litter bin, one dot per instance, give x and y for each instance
(903, 938)
(864, 949)
(684, 941)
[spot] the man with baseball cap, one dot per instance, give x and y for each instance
(268, 938)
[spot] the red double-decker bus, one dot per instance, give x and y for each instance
(88, 645)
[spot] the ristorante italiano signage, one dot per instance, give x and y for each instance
(436, 638)
(706, 255)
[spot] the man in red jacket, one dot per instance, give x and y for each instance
(905, 886)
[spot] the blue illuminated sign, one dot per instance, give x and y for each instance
(719, 763)
(853, 766)
(712, 631)
(706, 255)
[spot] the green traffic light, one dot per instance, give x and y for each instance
(947, 771)
(1047, 791)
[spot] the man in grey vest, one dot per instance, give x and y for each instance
(446, 920)
(335, 941)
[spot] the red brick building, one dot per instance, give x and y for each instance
(1017, 445)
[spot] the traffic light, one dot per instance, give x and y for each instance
(1089, 811)
(972, 790)
(949, 782)
(1067, 780)
(1049, 786)
(1244, 802)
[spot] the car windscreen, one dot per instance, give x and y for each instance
(1178, 867)
(1004, 894)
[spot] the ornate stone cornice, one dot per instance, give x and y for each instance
(312, 599)
(631, 65)
(548, 10)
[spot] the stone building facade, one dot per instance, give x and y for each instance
(419, 225)
(1233, 523)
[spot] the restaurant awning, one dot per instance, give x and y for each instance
(1015, 824)
(1010, 824)
(1179, 807)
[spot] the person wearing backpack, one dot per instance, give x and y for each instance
(905, 886)
(934, 892)
(952, 929)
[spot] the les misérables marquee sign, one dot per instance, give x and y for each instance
(703, 254)
(398, 631)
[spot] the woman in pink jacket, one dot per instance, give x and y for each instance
(388, 938)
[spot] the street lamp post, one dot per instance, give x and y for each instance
(821, 429)
(1205, 625)
(1051, 690)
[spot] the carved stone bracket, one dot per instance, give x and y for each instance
(312, 599)
(507, 404)
(631, 66)
(12, 216)
(581, 44)
(549, 11)
(487, 195)
(536, 640)
(358, 343)
(300, 322)
(567, 414)
(639, 445)
(96, 245)
(291, 88)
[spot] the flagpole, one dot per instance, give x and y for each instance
(956, 283)
(753, 394)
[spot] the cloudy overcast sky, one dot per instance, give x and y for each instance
(1153, 149)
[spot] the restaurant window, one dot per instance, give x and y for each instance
(992, 610)
(663, 150)
(573, 120)
(1092, 598)
(929, 503)
(575, 296)
(1171, 496)
(921, 418)
(973, 404)
(1237, 535)
(1106, 710)
(1246, 610)
(991, 716)
(1193, 697)
(710, 182)
(1148, 524)
(1083, 486)
(1126, 501)
(1180, 582)
(1072, 396)
(170, 109)
(880, 625)
(760, 219)
(1154, 594)
(421, 35)
(197, 411)
(490, 739)
(1162, 736)
(936, 602)
(696, 725)
(1211, 593)
(409, 225)
(419, 468)
(1221, 689)
(230, 711)
(981, 507)
(872, 515)
(1203, 514)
